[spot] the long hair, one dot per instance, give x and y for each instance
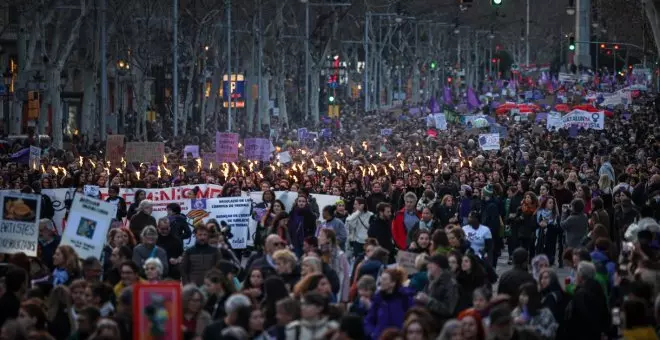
(59, 299)
(71, 260)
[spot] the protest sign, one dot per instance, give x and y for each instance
(406, 260)
(226, 147)
(192, 150)
(302, 134)
(585, 120)
(165, 297)
(385, 132)
(114, 149)
(257, 149)
(19, 223)
(284, 157)
(144, 152)
(233, 211)
(553, 122)
(92, 191)
(326, 133)
(440, 121)
(489, 141)
(35, 158)
(87, 225)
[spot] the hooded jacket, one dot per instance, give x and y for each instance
(357, 225)
(399, 231)
(387, 310)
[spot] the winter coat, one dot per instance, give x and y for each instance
(139, 221)
(338, 227)
(373, 200)
(511, 281)
(309, 330)
(443, 293)
(575, 226)
(197, 260)
(443, 213)
(587, 315)
(431, 226)
(381, 230)
(387, 310)
(399, 230)
(357, 225)
(180, 227)
(141, 253)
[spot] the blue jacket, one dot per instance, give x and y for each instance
(598, 257)
(387, 310)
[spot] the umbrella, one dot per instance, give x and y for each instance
(480, 123)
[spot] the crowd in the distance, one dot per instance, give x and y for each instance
(576, 217)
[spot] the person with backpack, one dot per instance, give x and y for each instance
(178, 222)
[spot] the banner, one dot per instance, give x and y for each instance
(385, 132)
(87, 225)
(440, 121)
(302, 134)
(257, 149)
(19, 228)
(489, 141)
(226, 147)
(191, 149)
(553, 122)
(144, 152)
(233, 211)
(584, 119)
(114, 149)
(35, 158)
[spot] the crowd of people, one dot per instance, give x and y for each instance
(545, 203)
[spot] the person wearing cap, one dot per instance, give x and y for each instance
(442, 292)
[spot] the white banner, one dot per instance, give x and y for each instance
(87, 225)
(234, 211)
(440, 121)
(584, 119)
(19, 218)
(489, 141)
(553, 121)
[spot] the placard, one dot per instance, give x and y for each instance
(92, 191)
(19, 228)
(35, 158)
(406, 260)
(158, 310)
(257, 149)
(489, 141)
(114, 149)
(385, 132)
(302, 134)
(191, 149)
(144, 152)
(284, 157)
(87, 225)
(440, 121)
(226, 147)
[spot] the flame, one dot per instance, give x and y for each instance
(401, 165)
(469, 163)
(365, 145)
(63, 171)
(43, 168)
(240, 145)
(295, 179)
(460, 155)
(352, 149)
(107, 171)
(440, 160)
(164, 159)
(119, 171)
(199, 162)
(123, 162)
(211, 165)
(181, 168)
(93, 164)
(81, 161)
(314, 163)
(398, 154)
(169, 173)
(303, 152)
(159, 173)
(138, 175)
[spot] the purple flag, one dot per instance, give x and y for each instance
(22, 156)
(447, 96)
(626, 115)
(433, 105)
(472, 100)
(573, 131)
(541, 116)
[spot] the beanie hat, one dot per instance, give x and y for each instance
(487, 190)
(466, 188)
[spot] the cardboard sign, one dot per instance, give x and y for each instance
(406, 260)
(191, 149)
(489, 141)
(19, 223)
(114, 149)
(144, 152)
(257, 149)
(87, 225)
(226, 147)
(164, 299)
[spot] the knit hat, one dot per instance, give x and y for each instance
(466, 188)
(487, 190)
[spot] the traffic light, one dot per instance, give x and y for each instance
(616, 47)
(602, 45)
(571, 43)
(331, 99)
(496, 3)
(449, 79)
(433, 65)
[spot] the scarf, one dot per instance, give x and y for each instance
(60, 276)
(528, 209)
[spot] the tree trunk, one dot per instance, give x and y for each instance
(415, 84)
(187, 104)
(53, 79)
(315, 86)
(652, 9)
(265, 116)
(89, 111)
(212, 102)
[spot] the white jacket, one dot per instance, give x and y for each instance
(358, 226)
(309, 330)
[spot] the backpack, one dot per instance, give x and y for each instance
(47, 210)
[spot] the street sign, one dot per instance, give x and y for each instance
(33, 105)
(233, 89)
(333, 111)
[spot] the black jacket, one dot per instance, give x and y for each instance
(511, 281)
(139, 221)
(587, 315)
(11, 304)
(179, 227)
(373, 200)
(197, 260)
(381, 230)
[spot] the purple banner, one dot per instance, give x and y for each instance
(191, 149)
(541, 116)
(257, 149)
(226, 147)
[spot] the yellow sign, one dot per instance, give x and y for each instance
(151, 115)
(34, 105)
(333, 111)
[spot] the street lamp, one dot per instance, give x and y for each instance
(570, 9)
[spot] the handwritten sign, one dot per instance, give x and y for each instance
(146, 152)
(19, 223)
(489, 141)
(114, 149)
(226, 147)
(87, 225)
(257, 149)
(440, 121)
(406, 260)
(385, 132)
(302, 134)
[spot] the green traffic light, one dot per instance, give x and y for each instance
(571, 47)
(433, 65)
(331, 99)
(496, 2)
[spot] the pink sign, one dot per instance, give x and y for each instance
(226, 147)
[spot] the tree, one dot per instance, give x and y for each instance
(652, 10)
